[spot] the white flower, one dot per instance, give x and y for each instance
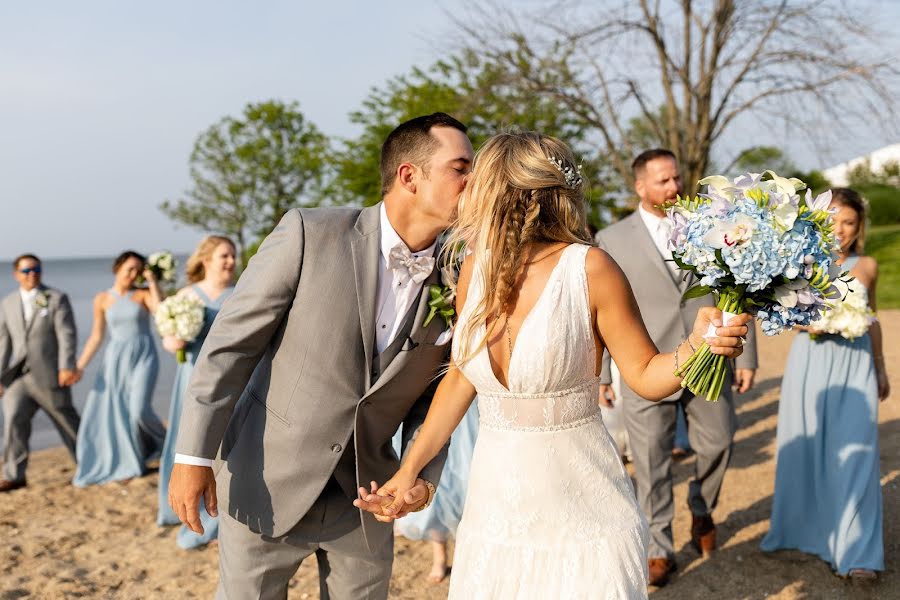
(822, 201)
(719, 186)
(725, 234)
(795, 292)
(849, 318)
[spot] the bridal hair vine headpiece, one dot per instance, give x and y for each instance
(572, 175)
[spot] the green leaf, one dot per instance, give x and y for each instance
(698, 291)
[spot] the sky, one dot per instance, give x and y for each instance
(101, 101)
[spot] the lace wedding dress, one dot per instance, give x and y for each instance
(550, 511)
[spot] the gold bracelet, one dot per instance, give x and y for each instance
(430, 498)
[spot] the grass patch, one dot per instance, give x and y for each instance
(883, 243)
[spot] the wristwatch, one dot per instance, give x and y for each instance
(430, 498)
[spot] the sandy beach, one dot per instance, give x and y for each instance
(102, 542)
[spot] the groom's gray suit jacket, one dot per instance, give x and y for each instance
(289, 381)
(658, 291)
(43, 346)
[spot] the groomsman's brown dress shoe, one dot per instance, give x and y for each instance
(658, 570)
(703, 534)
(8, 486)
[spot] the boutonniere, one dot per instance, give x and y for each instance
(442, 299)
(42, 300)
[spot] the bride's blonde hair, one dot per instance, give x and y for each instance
(524, 188)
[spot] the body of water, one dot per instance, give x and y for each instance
(82, 279)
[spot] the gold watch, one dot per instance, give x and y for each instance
(430, 498)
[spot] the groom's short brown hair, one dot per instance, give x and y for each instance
(412, 142)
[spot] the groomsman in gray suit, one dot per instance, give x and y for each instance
(639, 244)
(311, 366)
(37, 366)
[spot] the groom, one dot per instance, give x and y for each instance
(310, 368)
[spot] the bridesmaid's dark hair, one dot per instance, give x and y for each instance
(127, 255)
(852, 199)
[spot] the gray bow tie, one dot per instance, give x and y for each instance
(407, 267)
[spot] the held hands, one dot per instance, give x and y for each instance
(187, 486)
(69, 377)
(729, 340)
(401, 495)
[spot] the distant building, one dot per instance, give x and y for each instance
(837, 175)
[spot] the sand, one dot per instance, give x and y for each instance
(102, 542)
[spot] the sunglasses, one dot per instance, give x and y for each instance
(30, 270)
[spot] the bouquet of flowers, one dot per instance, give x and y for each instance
(850, 318)
(163, 266)
(181, 317)
(758, 246)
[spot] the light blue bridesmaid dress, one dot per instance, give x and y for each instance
(439, 521)
(827, 479)
(119, 431)
(166, 516)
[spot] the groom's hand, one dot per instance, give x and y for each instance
(188, 484)
(393, 500)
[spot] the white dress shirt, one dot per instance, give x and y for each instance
(659, 230)
(28, 300)
(392, 303)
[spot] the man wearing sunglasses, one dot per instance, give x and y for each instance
(37, 366)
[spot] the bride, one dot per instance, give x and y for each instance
(550, 511)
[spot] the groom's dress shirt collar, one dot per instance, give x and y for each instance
(28, 299)
(393, 302)
(395, 297)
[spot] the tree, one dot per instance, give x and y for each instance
(484, 95)
(709, 62)
(247, 171)
(761, 158)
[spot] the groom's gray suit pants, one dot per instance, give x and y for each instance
(254, 566)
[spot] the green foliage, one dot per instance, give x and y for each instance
(247, 171)
(884, 203)
(814, 180)
(863, 174)
(883, 243)
(762, 158)
(481, 94)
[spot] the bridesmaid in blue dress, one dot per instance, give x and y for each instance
(439, 521)
(119, 431)
(210, 272)
(827, 481)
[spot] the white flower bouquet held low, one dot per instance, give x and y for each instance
(758, 246)
(181, 317)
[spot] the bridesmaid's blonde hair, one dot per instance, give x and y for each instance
(525, 187)
(194, 270)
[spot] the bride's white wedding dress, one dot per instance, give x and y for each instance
(550, 511)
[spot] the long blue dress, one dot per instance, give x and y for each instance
(827, 480)
(166, 516)
(119, 431)
(439, 521)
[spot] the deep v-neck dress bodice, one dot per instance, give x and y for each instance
(584, 536)
(551, 374)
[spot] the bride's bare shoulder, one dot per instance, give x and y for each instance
(604, 276)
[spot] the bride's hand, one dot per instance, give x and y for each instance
(399, 496)
(730, 339)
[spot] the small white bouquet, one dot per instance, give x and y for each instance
(181, 317)
(849, 318)
(163, 265)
